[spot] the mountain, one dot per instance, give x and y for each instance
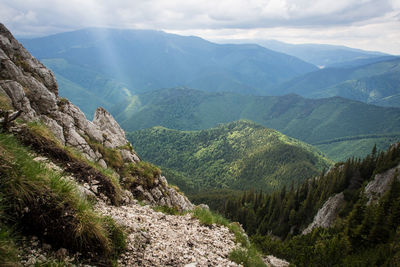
(376, 83)
(81, 84)
(104, 61)
(324, 55)
(238, 155)
(70, 188)
(310, 120)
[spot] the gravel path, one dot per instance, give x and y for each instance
(156, 239)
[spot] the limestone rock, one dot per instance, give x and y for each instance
(327, 214)
(273, 261)
(380, 184)
(15, 92)
(113, 134)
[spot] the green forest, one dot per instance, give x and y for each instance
(239, 156)
(362, 235)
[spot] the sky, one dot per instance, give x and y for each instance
(365, 24)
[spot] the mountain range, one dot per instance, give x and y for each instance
(315, 121)
(72, 191)
(110, 65)
(323, 55)
(376, 83)
(115, 62)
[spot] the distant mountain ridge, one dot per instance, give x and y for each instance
(323, 55)
(310, 120)
(376, 83)
(144, 60)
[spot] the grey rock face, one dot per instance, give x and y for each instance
(380, 184)
(113, 134)
(327, 214)
(32, 88)
(161, 194)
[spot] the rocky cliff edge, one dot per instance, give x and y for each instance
(28, 86)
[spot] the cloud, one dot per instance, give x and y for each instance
(41, 17)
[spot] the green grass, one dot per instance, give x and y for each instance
(246, 257)
(111, 156)
(142, 172)
(207, 217)
(41, 139)
(8, 248)
(5, 102)
(41, 201)
(167, 210)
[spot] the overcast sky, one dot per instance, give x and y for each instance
(365, 24)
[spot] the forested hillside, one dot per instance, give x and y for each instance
(365, 233)
(239, 155)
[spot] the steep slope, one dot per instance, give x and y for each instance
(143, 60)
(239, 155)
(310, 120)
(371, 83)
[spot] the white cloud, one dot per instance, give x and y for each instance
(338, 21)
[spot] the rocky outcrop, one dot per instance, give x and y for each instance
(327, 214)
(380, 184)
(273, 261)
(30, 87)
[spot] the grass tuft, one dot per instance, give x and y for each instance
(167, 210)
(5, 102)
(44, 204)
(207, 217)
(142, 172)
(8, 250)
(247, 257)
(41, 139)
